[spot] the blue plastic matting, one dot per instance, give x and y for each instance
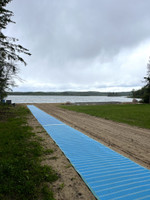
(108, 174)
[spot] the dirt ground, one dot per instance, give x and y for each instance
(129, 141)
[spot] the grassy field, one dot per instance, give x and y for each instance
(21, 175)
(132, 114)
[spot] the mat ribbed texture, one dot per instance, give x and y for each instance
(109, 175)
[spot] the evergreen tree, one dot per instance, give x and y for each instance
(146, 97)
(9, 52)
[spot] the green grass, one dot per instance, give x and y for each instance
(21, 175)
(132, 114)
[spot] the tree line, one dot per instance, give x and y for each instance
(74, 93)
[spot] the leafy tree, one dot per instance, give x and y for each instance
(146, 97)
(9, 52)
(138, 93)
(144, 92)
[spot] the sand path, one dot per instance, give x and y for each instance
(130, 141)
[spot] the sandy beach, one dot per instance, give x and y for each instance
(130, 141)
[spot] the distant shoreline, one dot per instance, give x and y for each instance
(89, 93)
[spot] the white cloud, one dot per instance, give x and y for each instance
(124, 71)
(83, 45)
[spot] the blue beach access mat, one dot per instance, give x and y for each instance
(109, 175)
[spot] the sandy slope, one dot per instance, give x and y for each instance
(130, 141)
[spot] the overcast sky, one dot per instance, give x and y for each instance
(100, 45)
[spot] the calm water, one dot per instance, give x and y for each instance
(64, 99)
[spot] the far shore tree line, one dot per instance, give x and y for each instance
(10, 52)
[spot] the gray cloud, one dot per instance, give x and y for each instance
(85, 43)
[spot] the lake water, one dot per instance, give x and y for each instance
(64, 99)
